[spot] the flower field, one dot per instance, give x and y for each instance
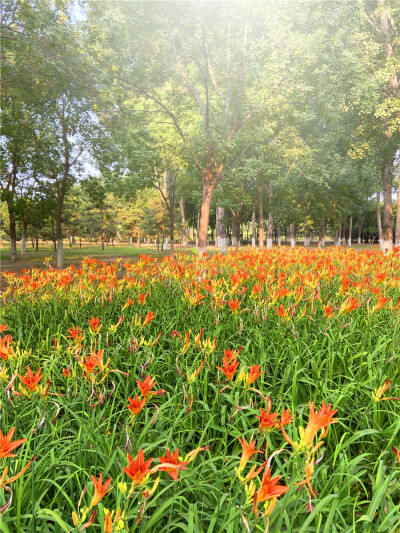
(252, 391)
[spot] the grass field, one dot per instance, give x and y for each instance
(268, 383)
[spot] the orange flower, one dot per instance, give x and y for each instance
(100, 490)
(147, 385)
(267, 419)
(92, 361)
(248, 450)
(136, 405)
(286, 418)
(66, 372)
(349, 305)
(280, 311)
(139, 469)
(5, 347)
(95, 325)
(108, 525)
(254, 374)
(31, 381)
(74, 333)
(6, 446)
(173, 460)
(317, 421)
(327, 310)
(269, 491)
(3, 327)
(229, 367)
(149, 317)
(142, 298)
(129, 302)
(382, 301)
(234, 305)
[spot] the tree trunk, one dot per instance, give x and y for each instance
(321, 233)
(397, 231)
(350, 230)
(59, 234)
(130, 240)
(307, 236)
(270, 232)
(279, 237)
(234, 232)
(217, 228)
(70, 241)
(359, 229)
(13, 234)
(184, 225)
(80, 242)
(37, 242)
(23, 239)
(138, 239)
(208, 190)
(253, 226)
(222, 229)
(336, 237)
(261, 235)
(293, 234)
(379, 219)
(387, 233)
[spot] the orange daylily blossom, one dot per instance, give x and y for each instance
(5, 347)
(377, 394)
(266, 418)
(6, 446)
(138, 470)
(232, 354)
(31, 381)
(136, 405)
(108, 523)
(128, 303)
(248, 450)
(327, 310)
(95, 324)
(173, 460)
(74, 333)
(316, 422)
(280, 311)
(149, 317)
(100, 490)
(380, 304)
(268, 492)
(349, 305)
(147, 385)
(234, 305)
(3, 327)
(92, 361)
(142, 298)
(229, 367)
(254, 374)
(286, 418)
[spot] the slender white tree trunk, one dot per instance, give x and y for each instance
(293, 234)
(350, 230)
